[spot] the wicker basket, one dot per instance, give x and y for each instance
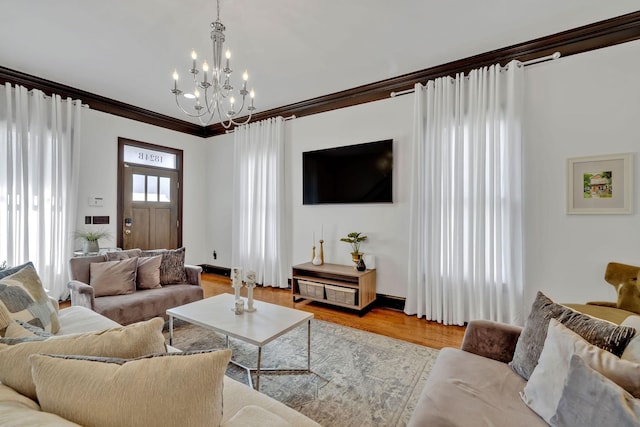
(311, 289)
(340, 294)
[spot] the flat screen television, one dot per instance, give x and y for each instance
(361, 173)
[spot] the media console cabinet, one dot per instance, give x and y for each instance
(335, 284)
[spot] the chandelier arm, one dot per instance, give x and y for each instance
(187, 112)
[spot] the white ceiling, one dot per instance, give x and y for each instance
(294, 50)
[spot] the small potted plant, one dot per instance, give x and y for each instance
(90, 239)
(355, 239)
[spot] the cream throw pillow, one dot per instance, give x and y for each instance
(544, 388)
(129, 341)
(172, 389)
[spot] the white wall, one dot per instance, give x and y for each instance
(583, 105)
(586, 104)
(98, 174)
(384, 224)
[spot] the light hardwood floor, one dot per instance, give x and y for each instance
(380, 320)
(383, 321)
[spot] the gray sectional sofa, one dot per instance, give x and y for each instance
(138, 304)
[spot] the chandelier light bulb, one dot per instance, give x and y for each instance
(205, 67)
(175, 75)
(245, 76)
(227, 54)
(252, 94)
(194, 55)
(196, 93)
(232, 101)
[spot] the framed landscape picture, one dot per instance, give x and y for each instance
(600, 184)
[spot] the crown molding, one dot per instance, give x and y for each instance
(594, 36)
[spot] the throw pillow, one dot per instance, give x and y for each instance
(11, 270)
(113, 277)
(605, 335)
(590, 399)
(19, 329)
(543, 391)
(172, 266)
(632, 351)
(134, 340)
(23, 297)
(179, 389)
(148, 274)
(120, 255)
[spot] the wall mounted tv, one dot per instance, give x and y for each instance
(361, 173)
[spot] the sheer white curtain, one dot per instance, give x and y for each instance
(259, 234)
(39, 166)
(466, 245)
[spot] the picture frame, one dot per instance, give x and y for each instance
(600, 184)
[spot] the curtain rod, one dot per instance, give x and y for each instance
(291, 117)
(551, 57)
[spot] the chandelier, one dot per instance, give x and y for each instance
(214, 93)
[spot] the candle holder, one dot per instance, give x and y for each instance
(251, 283)
(236, 282)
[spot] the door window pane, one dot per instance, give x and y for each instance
(152, 188)
(165, 189)
(138, 188)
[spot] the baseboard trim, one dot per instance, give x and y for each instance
(214, 269)
(390, 301)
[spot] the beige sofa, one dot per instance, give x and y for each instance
(143, 304)
(476, 386)
(18, 410)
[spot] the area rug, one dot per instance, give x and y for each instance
(360, 378)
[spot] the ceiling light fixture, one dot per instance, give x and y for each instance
(216, 86)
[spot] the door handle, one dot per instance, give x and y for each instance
(127, 231)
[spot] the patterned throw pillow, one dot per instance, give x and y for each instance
(109, 389)
(23, 297)
(601, 333)
(172, 266)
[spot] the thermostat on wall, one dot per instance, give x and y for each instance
(95, 201)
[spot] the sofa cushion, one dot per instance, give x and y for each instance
(79, 320)
(113, 277)
(591, 399)
(172, 266)
(148, 274)
(464, 389)
(17, 410)
(147, 303)
(126, 342)
(23, 297)
(544, 388)
(255, 416)
(179, 389)
(604, 334)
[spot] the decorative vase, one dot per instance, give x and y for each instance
(360, 266)
(90, 246)
(356, 257)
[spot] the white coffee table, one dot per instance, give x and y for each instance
(259, 328)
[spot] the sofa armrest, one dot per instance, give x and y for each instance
(81, 294)
(491, 339)
(194, 273)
